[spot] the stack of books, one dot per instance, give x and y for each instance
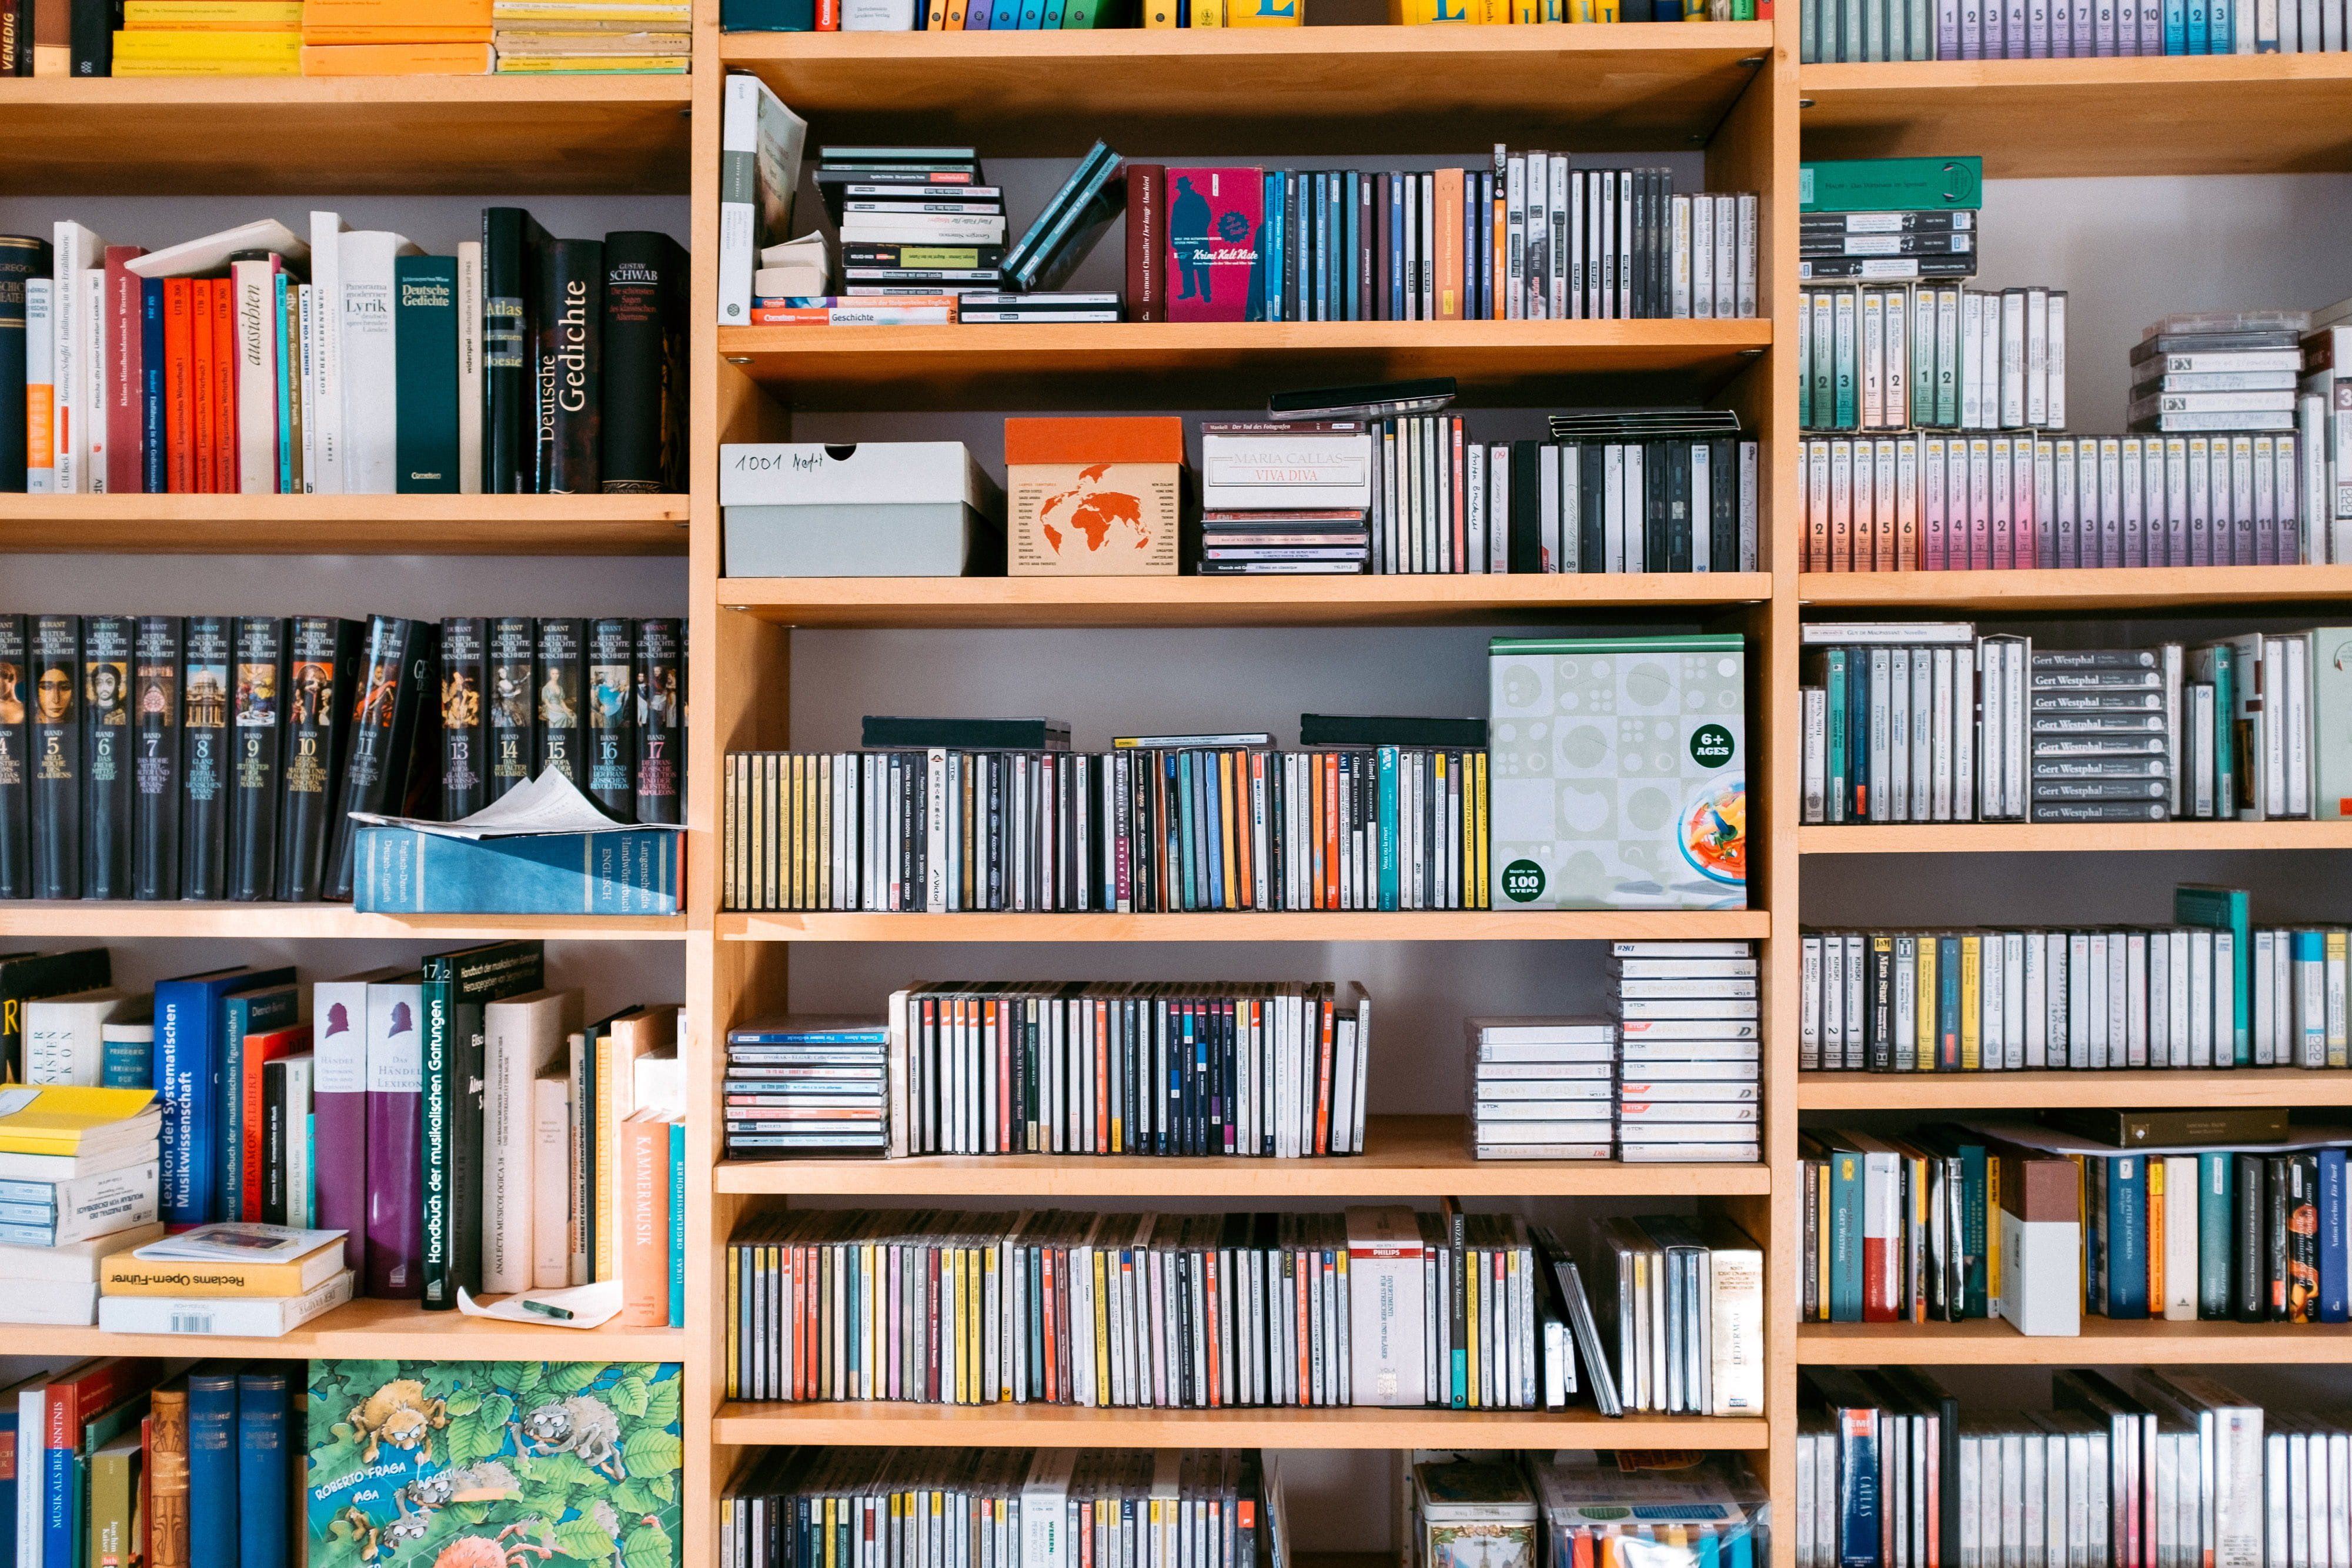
(1285, 498)
(905, 217)
(1689, 1017)
(986, 310)
(1543, 1089)
(2218, 369)
(252, 1280)
(807, 1086)
(601, 37)
(206, 38)
(80, 1175)
(396, 37)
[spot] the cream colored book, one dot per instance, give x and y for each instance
(523, 1037)
(550, 1183)
(640, 1032)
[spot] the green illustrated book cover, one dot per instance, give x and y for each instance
(494, 1464)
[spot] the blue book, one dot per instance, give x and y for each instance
(1395, 241)
(212, 1466)
(188, 1019)
(2126, 1234)
(2333, 1306)
(2198, 40)
(155, 451)
(255, 1011)
(1352, 202)
(678, 1225)
(285, 408)
(630, 870)
(128, 1063)
(1213, 800)
(1388, 818)
(2221, 23)
(2217, 1222)
(9, 1437)
(263, 1418)
(1277, 270)
(1182, 762)
(1052, 19)
(2176, 26)
(1845, 1236)
(1947, 1004)
(2225, 909)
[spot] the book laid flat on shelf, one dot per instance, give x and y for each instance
(543, 849)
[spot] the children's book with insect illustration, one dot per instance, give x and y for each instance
(494, 1464)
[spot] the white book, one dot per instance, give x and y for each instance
(259, 1317)
(523, 1037)
(94, 362)
(64, 1041)
(52, 1304)
(469, 368)
(760, 143)
(370, 371)
(877, 15)
(306, 316)
(302, 1175)
(74, 247)
(210, 253)
(327, 448)
(40, 385)
(32, 1479)
(255, 283)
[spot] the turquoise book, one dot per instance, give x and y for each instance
(628, 870)
(486, 1464)
(2226, 910)
(425, 352)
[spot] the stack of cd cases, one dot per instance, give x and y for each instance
(1543, 1089)
(1689, 1023)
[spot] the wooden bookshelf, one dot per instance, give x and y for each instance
(1403, 1158)
(2186, 114)
(1114, 601)
(2090, 592)
(1330, 925)
(259, 135)
(1932, 1094)
(368, 1329)
(1267, 92)
(2104, 1342)
(2069, 838)
(1208, 364)
(288, 922)
(345, 525)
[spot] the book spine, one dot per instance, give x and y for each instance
(506, 352)
(256, 748)
(156, 780)
(204, 751)
(442, 1092)
(567, 362)
(511, 696)
(186, 1076)
(212, 1481)
(107, 759)
(320, 652)
(254, 363)
(1147, 245)
(660, 745)
(612, 714)
(470, 405)
(556, 683)
(550, 1251)
(465, 675)
(264, 1423)
(154, 427)
(339, 1111)
(272, 1188)
(125, 377)
(15, 761)
(220, 393)
(54, 788)
(21, 259)
(425, 359)
(402, 871)
(93, 37)
(167, 1476)
(644, 1224)
(394, 1138)
(389, 706)
(642, 398)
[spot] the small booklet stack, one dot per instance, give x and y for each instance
(1690, 1022)
(1541, 1089)
(80, 1170)
(2218, 369)
(807, 1086)
(1285, 498)
(252, 1280)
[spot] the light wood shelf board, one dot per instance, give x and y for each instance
(1935, 1092)
(345, 525)
(1216, 364)
(1349, 1426)
(2122, 587)
(253, 136)
(1990, 1342)
(1403, 926)
(370, 1329)
(2183, 114)
(1405, 1157)
(2068, 838)
(288, 922)
(1271, 92)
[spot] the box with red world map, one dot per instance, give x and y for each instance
(1094, 497)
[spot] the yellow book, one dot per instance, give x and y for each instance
(504, 12)
(1102, 1327)
(1927, 1009)
(2155, 1236)
(1161, 13)
(126, 1274)
(193, 15)
(593, 65)
(67, 1119)
(396, 14)
(1992, 1234)
(371, 34)
(397, 60)
(1265, 13)
(206, 68)
(1485, 888)
(2339, 1046)
(1971, 996)
(1208, 13)
(257, 47)
(1604, 11)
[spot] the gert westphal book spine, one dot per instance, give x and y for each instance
(256, 747)
(513, 697)
(205, 758)
(322, 655)
(558, 685)
(465, 675)
(612, 717)
(661, 753)
(155, 777)
(644, 393)
(568, 325)
(56, 756)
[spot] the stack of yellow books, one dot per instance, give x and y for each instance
(395, 37)
(209, 38)
(548, 36)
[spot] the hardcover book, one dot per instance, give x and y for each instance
(106, 755)
(56, 749)
(557, 742)
(612, 715)
(391, 749)
(157, 651)
(256, 743)
(645, 390)
(464, 669)
(15, 806)
(322, 658)
(567, 326)
(511, 245)
(1216, 264)
(205, 758)
(660, 677)
(457, 985)
(425, 348)
(511, 724)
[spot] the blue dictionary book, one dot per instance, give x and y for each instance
(188, 1018)
(1388, 817)
(264, 1421)
(2225, 909)
(2333, 1306)
(627, 871)
(255, 1011)
(212, 1466)
(678, 1225)
(2126, 1228)
(155, 455)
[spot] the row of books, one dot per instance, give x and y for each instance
(1162, 823)
(351, 37)
(2160, 1467)
(2211, 991)
(1572, 1507)
(1988, 30)
(1004, 16)
(1928, 722)
(211, 756)
(258, 360)
(2126, 1214)
(1913, 503)
(1920, 357)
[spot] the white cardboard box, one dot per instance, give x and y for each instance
(875, 509)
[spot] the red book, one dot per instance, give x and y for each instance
(828, 17)
(126, 386)
(1216, 218)
(179, 385)
(224, 387)
(88, 1391)
(260, 1048)
(644, 1222)
(1147, 242)
(206, 456)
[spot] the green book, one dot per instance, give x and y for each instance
(2225, 909)
(1845, 360)
(1890, 184)
(457, 987)
(1822, 337)
(114, 1522)
(2217, 1220)
(425, 345)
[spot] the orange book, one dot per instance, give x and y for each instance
(1228, 798)
(1499, 292)
(179, 389)
(335, 37)
(260, 1048)
(1330, 793)
(2156, 1217)
(204, 475)
(398, 60)
(224, 387)
(396, 14)
(955, 15)
(1448, 245)
(645, 1221)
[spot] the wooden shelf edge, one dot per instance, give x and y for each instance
(1985, 1342)
(1225, 338)
(2151, 71)
(288, 922)
(346, 525)
(2069, 838)
(280, 92)
(1410, 926)
(368, 1329)
(1353, 1426)
(2121, 588)
(2149, 1087)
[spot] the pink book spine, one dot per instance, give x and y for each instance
(339, 1109)
(126, 382)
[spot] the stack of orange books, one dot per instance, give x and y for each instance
(209, 38)
(396, 37)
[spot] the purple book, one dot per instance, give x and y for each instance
(339, 1034)
(396, 1136)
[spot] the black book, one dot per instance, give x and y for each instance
(273, 1141)
(15, 805)
(557, 683)
(1351, 729)
(323, 661)
(27, 975)
(612, 731)
(1592, 509)
(458, 988)
(2279, 1201)
(256, 742)
(1723, 506)
(21, 258)
(567, 359)
(205, 758)
(393, 749)
(2254, 1293)
(661, 683)
(56, 785)
(157, 651)
(885, 732)
(1679, 521)
(513, 701)
(511, 244)
(1526, 553)
(1657, 492)
(644, 394)
(94, 24)
(465, 728)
